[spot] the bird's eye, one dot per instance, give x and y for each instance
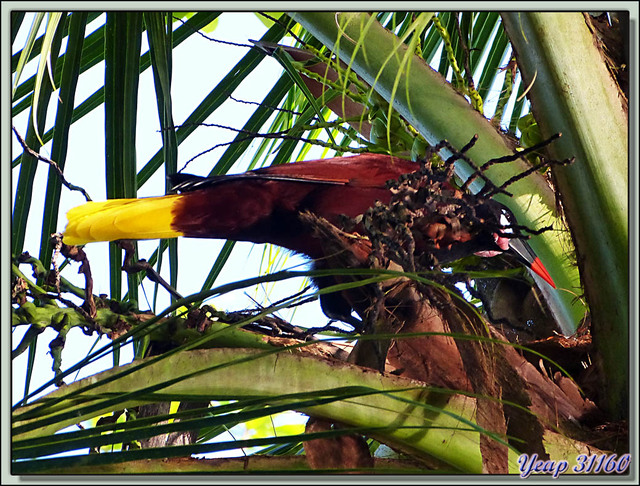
(506, 220)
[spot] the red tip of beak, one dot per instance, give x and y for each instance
(539, 269)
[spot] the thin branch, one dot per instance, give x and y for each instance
(274, 108)
(77, 254)
(288, 29)
(211, 38)
(54, 165)
(130, 266)
(282, 135)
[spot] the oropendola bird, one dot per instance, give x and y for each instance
(263, 206)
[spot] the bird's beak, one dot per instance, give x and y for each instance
(525, 254)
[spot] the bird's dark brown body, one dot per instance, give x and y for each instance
(264, 206)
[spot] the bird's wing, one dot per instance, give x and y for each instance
(369, 169)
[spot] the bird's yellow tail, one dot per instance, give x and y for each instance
(121, 219)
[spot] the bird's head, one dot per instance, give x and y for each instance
(504, 242)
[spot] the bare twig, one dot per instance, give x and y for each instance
(77, 254)
(274, 108)
(282, 135)
(211, 38)
(57, 240)
(277, 21)
(54, 165)
(131, 267)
